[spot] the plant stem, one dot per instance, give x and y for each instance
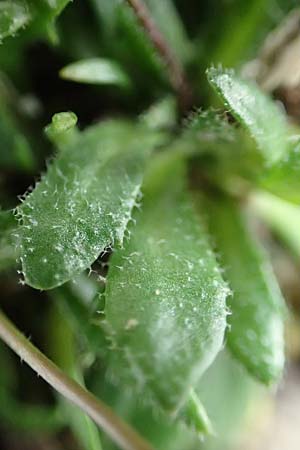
(121, 433)
(175, 70)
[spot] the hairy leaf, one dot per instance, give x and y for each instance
(255, 335)
(96, 71)
(264, 120)
(165, 299)
(83, 203)
(207, 132)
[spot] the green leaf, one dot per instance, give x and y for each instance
(283, 179)
(249, 21)
(77, 300)
(107, 13)
(194, 415)
(137, 44)
(231, 397)
(83, 203)
(161, 114)
(265, 122)
(171, 26)
(165, 299)
(96, 71)
(14, 15)
(207, 132)
(255, 335)
(134, 51)
(282, 217)
(39, 14)
(224, 157)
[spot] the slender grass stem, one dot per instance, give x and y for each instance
(121, 433)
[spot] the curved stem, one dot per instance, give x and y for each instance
(121, 433)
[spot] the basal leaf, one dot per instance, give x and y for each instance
(83, 203)
(165, 298)
(255, 335)
(96, 71)
(256, 111)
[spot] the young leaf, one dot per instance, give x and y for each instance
(195, 415)
(255, 335)
(96, 71)
(62, 130)
(83, 203)
(264, 120)
(165, 298)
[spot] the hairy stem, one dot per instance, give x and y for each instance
(175, 70)
(121, 433)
